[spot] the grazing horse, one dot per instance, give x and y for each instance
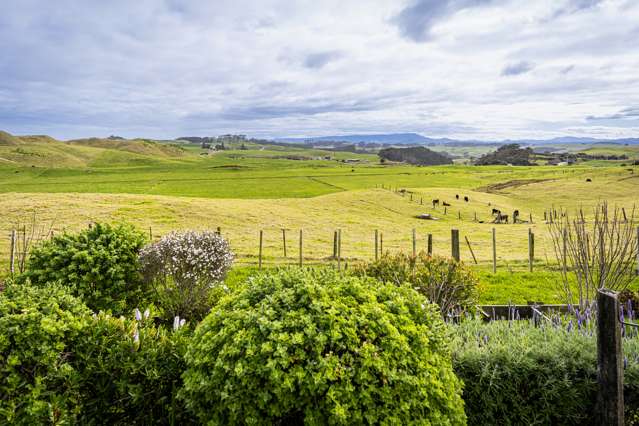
(435, 203)
(466, 199)
(446, 204)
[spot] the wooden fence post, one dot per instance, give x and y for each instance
(12, 256)
(430, 245)
(381, 243)
(458, 215)
(219, 231)
(259, 264)
(494, 251)
(609, 360)
(531, 249)
(454, 241)
(414, 243)
(339, 249)
(471, 249)
(334, 244)
(284, 240)
(376, 244)
(301, 245)
(150, 234)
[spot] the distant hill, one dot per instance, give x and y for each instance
(7, 139)
(417, 155)
(136, 146)
(507, 154)
(389, 139)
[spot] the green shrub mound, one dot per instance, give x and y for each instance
(449, 284)
(515, 373)
(317, 347)
(99, 264)
(38, 328)
(128, 372)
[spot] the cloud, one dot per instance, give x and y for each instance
(631, 113)
(320, 59)
(517, 68)
(416, 21)
(567, 69)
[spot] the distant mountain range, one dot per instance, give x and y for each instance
(417, 139)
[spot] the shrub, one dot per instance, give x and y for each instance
(128, 372)
(38, 326)
(99, 264)
(515, 373)
(314, 346)
(183, 268)
(443, 281)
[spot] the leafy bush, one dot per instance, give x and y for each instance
(515, 373)
(99, 264)
(443, 281)
(314, 346)
(38, 327)
(182, 268)
(128, 372)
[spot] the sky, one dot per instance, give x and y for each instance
(465, 69)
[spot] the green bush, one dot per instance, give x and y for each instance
(128, 372)
(38, 328)
(99, 264)
(449, 284)
(315, 346)
(515, 373)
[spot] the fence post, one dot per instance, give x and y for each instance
(219, 231)
(284, 240)
(334, 244)
(301, 244)
(494, 251)
(150, 234)
(454, 241)
(430, 244)
(609, 360)
(259, 264)
(376, 243)
(414, 243)
(531, 249)
(381, 243)
(12, 256)
(471, 249)
(339, 249)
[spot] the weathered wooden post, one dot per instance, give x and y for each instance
(339, 249)
(414, 243)
(150, 234)
(301, 245)
(458, 215)
(334, 244)
(219, 231)
(376, 243)
(471, 249)
(12, 256)
(259, 262)
(454, 240)
(475, 217)
(494, 251)
(530, 214)
(444, 209)
(430, 245)
(421, 201)
(381, 244)
(284, 240)
(609, 360)
(531, 249)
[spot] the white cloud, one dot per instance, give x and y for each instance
(457, 68)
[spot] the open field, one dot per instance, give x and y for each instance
(165, 188)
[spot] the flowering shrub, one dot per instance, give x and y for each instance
(182, 268)
(99, 265)
(317, 347)
(516, 373)
(446, 282)
(38, 327)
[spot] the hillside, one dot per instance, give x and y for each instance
(136, 146)
(7, 139)
(417, 155)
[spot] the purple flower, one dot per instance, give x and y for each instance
(138, 315)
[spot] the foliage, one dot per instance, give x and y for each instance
(128, 372)
(417, 155)
(446, 282)
(183, 268)
(99, 264)
(38, 326)
(507, 154)
(315, 346)
(515, 373)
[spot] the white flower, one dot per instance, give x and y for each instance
(176, 322)
(146, 313)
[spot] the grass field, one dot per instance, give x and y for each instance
(162, 188)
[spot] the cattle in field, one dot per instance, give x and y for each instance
(588, 180)
(435, 203)
(466, 199)
(515, 216)
(457, 196)
(446, 204)
(496, 212)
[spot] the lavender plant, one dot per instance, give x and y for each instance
(182, 268)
